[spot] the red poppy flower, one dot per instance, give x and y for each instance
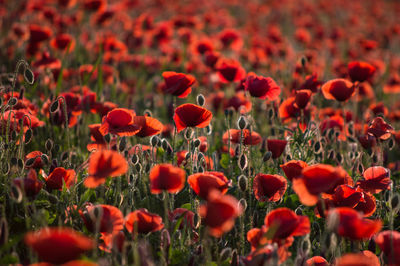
(347, 196)
(367, 141)
(293, 168)
(103, 164)
(364, 258)
(63, 42)
(360, 71)
(269, 187)
(230, 70)
(276, 146)
(248, 138)
(37, 163)
(177, 84)
(338, 89)
(30, 184)
(380, 129)
(316, 179)
(119, 121)
(39, 33)
(284, 223)
(191, 115)
(112, 242)
(203, 144)
(203, 183)
(366, 206)
(58, 245)
(98, 138)
(219, 212)
(186, 215)
(239, 102)
(288, 109)
(389, 243)
(302, 98)
(149, 126)
(351, 224)
(166, 177)
(58, 176)
(261, 87)
(143, 222)
(376, 179)
(109, 218)
(317, 261)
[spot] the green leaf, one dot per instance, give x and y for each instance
(224, 162)
(187, 206)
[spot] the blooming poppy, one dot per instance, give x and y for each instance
(177, 84)
(380, 129)
(149, 126)
(360, 71)
(109, 218)
(58, 245)
(30, 184)
(248, 138)
(166, 177)
(367, 141)
(302, 98)
(37, 160)
(203, 183)
(350, 223)
(186, 215)
(376, 179)
(63, 42)
(229, 70)
(269, 187)
(103, 164)
(317, 261)
(316, 179)
(239, 102)
(119, 121)
(293, 168)
(389, 243)
(284, 223)
(338, 89)
(191, 115)
(276, 146)
(368, 205)
(141, 221)
(58, 176)
(219, 212)
(261, 87)
(39, 33)
(364, 258)
(112, 242)
(98, 139)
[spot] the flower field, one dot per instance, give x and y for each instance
(210, 132)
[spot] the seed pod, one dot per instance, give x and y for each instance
(267, 156)
(30, 162)
(44, 158)
(189, 133)
(235, 258)
(339, 158)
(288, 157)
(225, 254)
(28, 76)
(298, 211)
(196, 143)
(306, 246)
(122, 144)
(200, 157)
(138, 167)
(6, 168)
(57, 148)
(164, 144)
(28, 136)
(331, 155)
(242, 162)
(243, 202)
(13, 161)
(187, 156)
(165, 239)
(372, 245)
(147, 112)
(242, 182)
(20, 163)
(317, 147)
(135, 159)
(271, 113)
(154, 140)
(242, 123)
(54, 107)
(49, 145)
(13, 101)
(209, 130)
(16, 193)
(3, 231)
(303, 61)
(375, 158)
(332, 221)
(391, 143)
(107, 137)
(147, 168)
(200, 100)
(395, 202)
